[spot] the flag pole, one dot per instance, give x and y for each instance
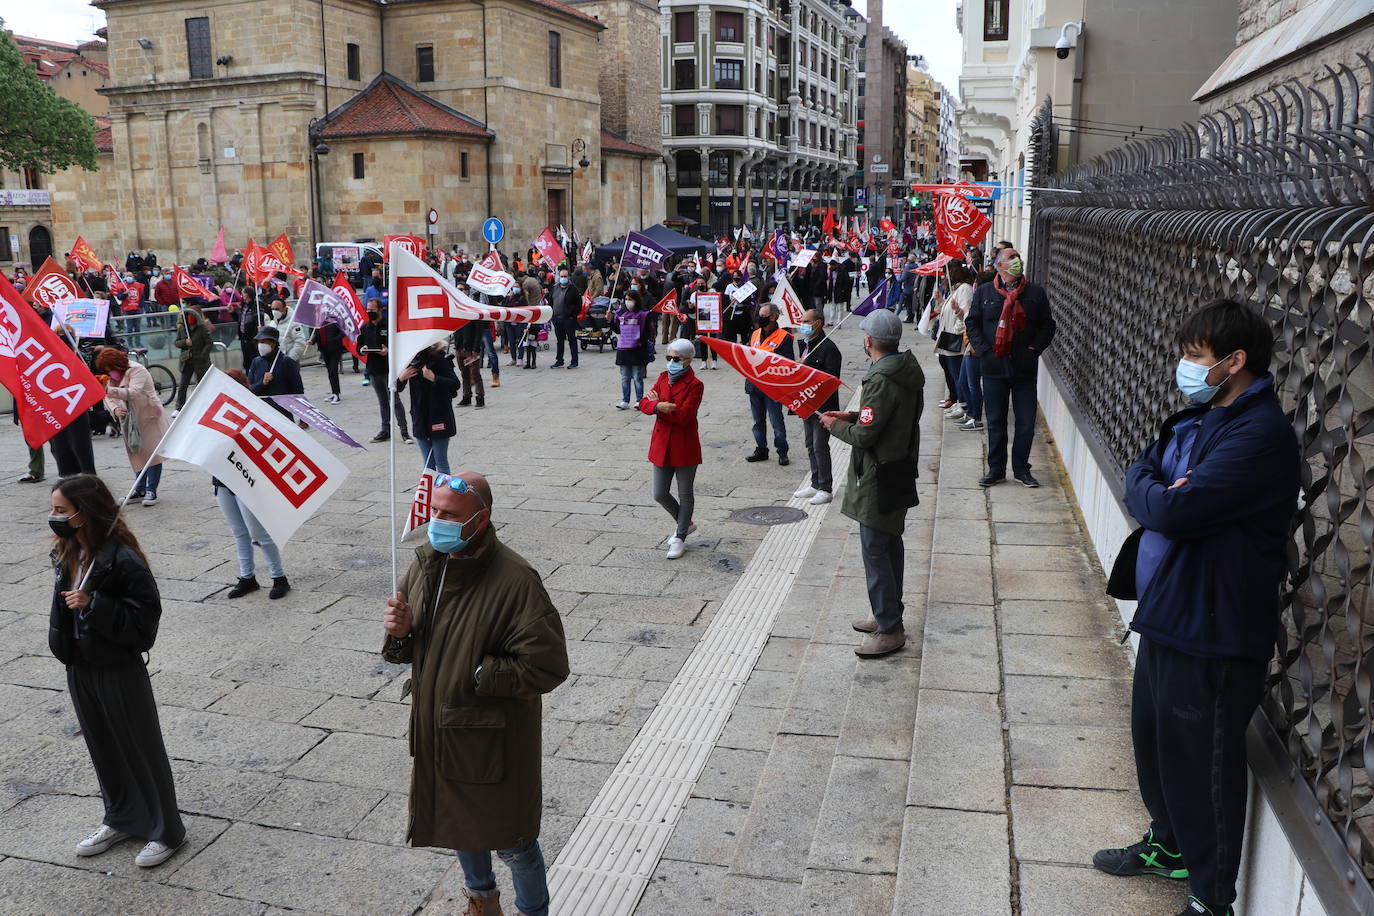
(391, 405)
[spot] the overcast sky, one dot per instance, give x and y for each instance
(927, 27)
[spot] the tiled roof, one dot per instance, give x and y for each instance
(389, 106)
(104, 137)
(612, 142)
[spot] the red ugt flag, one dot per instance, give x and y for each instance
(85, 256)
(668, 306)
(958, 222)
(188, 287)
(50, 384)
(51, 285)
(799, 388)
(549, 249)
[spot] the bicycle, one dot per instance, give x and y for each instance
(163, 379)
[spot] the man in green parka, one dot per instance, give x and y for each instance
(885, 440)
(484, 642)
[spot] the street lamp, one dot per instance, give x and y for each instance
(579, 148)
(318, 148)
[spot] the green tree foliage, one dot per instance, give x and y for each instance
(39, 129)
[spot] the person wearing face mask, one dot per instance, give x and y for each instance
(272, 371)
(131, 397)
(1009, 324)
(104, 616)
(768, 336)
(292, 337)
(433, 386)
(675, 449)
(818, 351)
(885, 437)
(566, 303)
(1215, 496)
(484, 642)
(632, 347)
(194, 341)
(372, 343)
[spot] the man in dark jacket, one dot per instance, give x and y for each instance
(484, 643)
(885, 437)
(1215, 496)
(195, 347)
(566, 303)
(273, 372)
(819, 352)
(1009, 325)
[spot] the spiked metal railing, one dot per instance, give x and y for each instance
(1269, 201)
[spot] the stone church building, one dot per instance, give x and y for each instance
(335, 120)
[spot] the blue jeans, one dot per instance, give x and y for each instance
(433, 452)
(760, 405)
(489, 348)
(971, 386)
(247, 531)
(147, 483)
(628, 374)
(1020, 392)
(527, 873)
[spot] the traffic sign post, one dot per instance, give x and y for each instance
(493, 230)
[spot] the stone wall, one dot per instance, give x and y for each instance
(631, 68)
(1258, 15)
(632, 195)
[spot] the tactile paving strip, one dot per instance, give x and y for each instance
(607, 862)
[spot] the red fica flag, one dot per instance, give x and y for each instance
(343, 288)
(957, 223)
(549, 249)
(51, 285)
(84, 255)
(799, 388)
(668, 306)
(188, 287)
(50, 384)
(412, 243)
(277, 470)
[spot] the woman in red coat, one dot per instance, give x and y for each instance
(675, 449)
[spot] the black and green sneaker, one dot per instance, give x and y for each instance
(1196, 907)
(1144, 858)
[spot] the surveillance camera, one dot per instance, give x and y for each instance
(1062, 48)
(1065, 44)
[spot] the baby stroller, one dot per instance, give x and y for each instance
(597, 328)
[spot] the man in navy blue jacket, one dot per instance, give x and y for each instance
(1215, 497)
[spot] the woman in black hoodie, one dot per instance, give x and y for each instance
(104, 616)
(433, 386)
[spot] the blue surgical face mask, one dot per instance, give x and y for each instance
(1191, 379)
(805, 331)
(562, 281)
(447, 537)
(676, 369)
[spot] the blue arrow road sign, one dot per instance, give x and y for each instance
(493, 230)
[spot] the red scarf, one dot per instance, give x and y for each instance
(1013, 317)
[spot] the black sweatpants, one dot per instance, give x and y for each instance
(1188, 722)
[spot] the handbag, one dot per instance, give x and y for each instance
(949, 342)
(923, 326)
(897, 479)
(133, 436)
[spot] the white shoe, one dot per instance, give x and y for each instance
(820, 499)
(154, 853)
(150, 499)
(175, 413)
(805, 493)
(623, 405)
(954, 415)
(675, 547)
(100, 841)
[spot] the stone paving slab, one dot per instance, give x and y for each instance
(954, 862)
(1056, 890)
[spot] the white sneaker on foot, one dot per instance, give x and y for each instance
(154, 853)
(805, 493)
(676, 547)
(100, 841)
(622, 405)
(150, 499)
(955, 414)
(820, 499)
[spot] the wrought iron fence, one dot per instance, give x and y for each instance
(1270, 202)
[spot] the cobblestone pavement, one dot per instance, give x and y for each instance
(971, 773)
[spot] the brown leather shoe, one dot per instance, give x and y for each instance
(867, 625)
(482, 906)
(879, 644)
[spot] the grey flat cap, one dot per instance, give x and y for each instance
(882, 325)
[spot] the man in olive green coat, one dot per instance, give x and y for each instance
(483, 641)
(883, 431)
(195, 349)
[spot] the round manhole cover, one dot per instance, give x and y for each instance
(767, 515)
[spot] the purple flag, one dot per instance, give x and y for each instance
(781, 253)
(642, 253)
(874, 301)
(319, 305)
(308, 413)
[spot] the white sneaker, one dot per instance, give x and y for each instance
(623, 405)
(954, 415)
(805, 493)
(154, 853)
(820, 499)
(150, 499)
(100, 841)
(175, 413)
(676, 547)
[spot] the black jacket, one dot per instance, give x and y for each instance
(565, 301)
(985, 311)
(825, 356)
(374, 337)
(121, 621)
(431, 403)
